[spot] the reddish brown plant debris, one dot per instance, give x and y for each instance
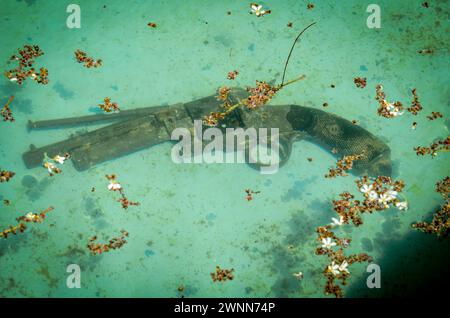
(27, 218)
(232, 75)
(5, 175)
(26, 59)
(343, 165)
(108, 107)
(434, 148)
(114, 243)
(416, 106)
(435, 115)
(89, 62)
(440, 224)
(222, 275)
(360, 82)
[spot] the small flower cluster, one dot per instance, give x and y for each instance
(250, 194)
(379, 194)
(27, 218)
(89, 62)
(114, 243)
(25, 69)
(343, 165)
(5, 175)
(333, 247)
(212, 120)
(232, 75)
(223, 93)
(6, 111)
(114, 185)
(360, 82)
(416, 106)
(386, 109)
(50, 163)
(107, 106)
(222, 275)
(434, 148)
(258, 10)
(440, 225)
(260, 95)
(435, 115)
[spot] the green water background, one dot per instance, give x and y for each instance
(194, 217)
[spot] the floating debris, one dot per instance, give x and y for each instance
(25, 69)
(259, 95)
(250, 194)
(379, 194)
(440, 225)
(258, 10)
(426, 51)
(6, 111)
(27, 218)
(5, 175)
(343, 165)
(434, 148)
(289, 25)
(222, 275)
(232, 75)
(298, 275)
(310, 6)
(152, 25)
(360, 82)
(114, 243)
(108, 107)
(114, 185)
(386, 109)
(416, 106)
(50, 163)
(435, 115)
(89, 62)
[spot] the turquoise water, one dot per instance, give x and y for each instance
(194, 217)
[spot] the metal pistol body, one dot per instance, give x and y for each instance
(142, 128)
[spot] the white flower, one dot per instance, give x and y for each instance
(337, 222)
(391, 194)
(384, 199)
(258, 10)
(298, 275)
(394, 111)
(327, 243)
(334, 269)
(373, 195)
(13, 79)
(402, 205)
(343, 267)
(33, 75)
(366, 188)
(50, 167)
(59, 159)
(29, 216)
(114, 185)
